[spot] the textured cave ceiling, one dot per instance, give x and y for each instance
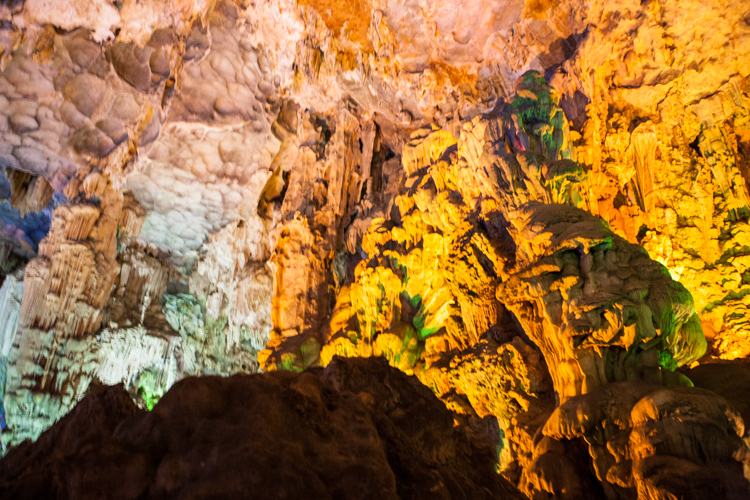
(538, 208)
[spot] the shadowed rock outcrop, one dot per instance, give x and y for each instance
(642, 441)
(358, 429)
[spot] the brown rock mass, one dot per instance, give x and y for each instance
(359, 429)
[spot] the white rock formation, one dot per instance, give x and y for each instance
(10, 305)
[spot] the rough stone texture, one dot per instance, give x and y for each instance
(598, 307)
(684, 442)
(317, 178)
(480, 237)
(65, 290)
(227, 318)
(86, 92)
(359, 429)
(10, 305)
(429, 284)
(63, 154)
(29, 193)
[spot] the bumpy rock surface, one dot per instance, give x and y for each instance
(537, 208)
(598, 307)
(491, 230)
(358, 429)
(684, 443)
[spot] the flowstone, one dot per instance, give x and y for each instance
(490, 243)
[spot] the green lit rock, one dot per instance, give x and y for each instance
(597, 306)
(204, 339)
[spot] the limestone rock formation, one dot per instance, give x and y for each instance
(539, 209)
(683, 442)
(358, 429)
(477, 241)
(598, 307)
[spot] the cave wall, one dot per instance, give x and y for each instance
(527, 205)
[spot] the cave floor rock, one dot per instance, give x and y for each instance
(358, 429)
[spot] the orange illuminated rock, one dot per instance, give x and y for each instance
(636, 436)
(597, 306)
(29, 193)
(523, 203)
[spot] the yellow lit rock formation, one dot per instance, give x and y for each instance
(540, 210)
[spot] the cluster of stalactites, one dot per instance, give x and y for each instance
(428, 283)
(496, 220)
